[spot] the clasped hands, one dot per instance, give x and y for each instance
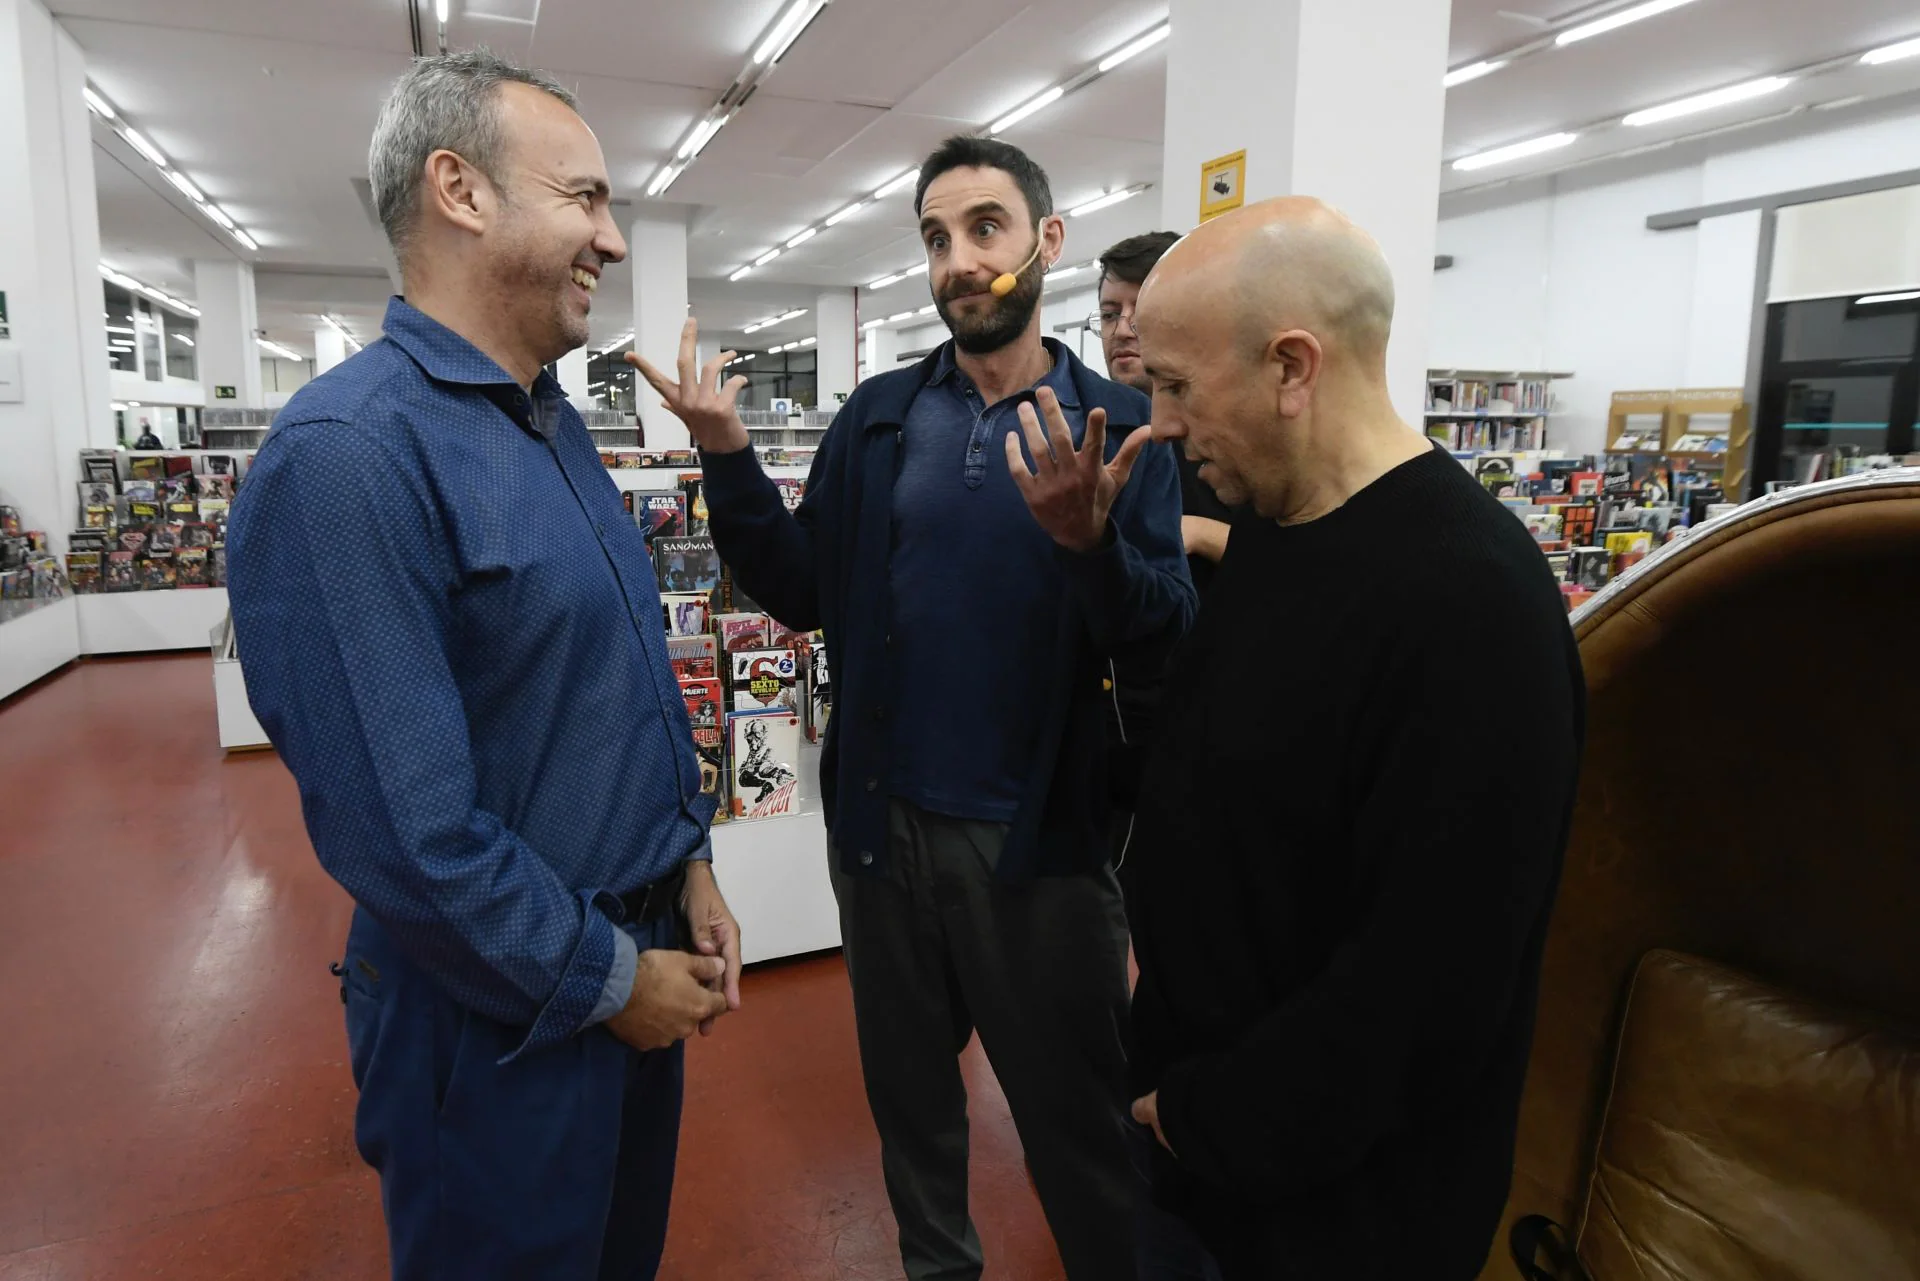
(676, 994)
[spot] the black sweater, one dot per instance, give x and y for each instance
(1348, 846)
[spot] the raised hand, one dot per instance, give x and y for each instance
(1070, 491)
(698, 398)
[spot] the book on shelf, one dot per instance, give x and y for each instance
(763, 679)
(686, 564)
(686, 613)
(694, 657)
(660, 514)
(765, 775)
(742, 631)
(707, 718)
(819, 692)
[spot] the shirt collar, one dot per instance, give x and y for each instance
(447, 357)
(1060, 377)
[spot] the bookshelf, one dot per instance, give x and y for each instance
(1495, 410)
(1677, 439)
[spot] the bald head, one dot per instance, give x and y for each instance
(1289, 263)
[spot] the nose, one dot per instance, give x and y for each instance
(607, 240)
(1167, 424)
(1126, 318)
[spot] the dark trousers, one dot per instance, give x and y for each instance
(937, 950)
(558, 1165)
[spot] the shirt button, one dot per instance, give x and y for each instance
(873, 785)
(866, 858)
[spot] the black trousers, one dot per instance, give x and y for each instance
(937, 950)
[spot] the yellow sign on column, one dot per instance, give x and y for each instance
(1223, 185)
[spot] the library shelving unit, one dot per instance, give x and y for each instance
(1490, 409)
(1676, 438)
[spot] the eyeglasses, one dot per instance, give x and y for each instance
(1109, 322)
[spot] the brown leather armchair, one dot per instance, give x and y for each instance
(1751, 795)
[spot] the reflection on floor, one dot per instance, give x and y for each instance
(174, 1096)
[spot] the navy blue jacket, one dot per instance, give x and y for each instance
(825, 566)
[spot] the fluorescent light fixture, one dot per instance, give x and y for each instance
(187, 188)
(766, 257)
(741, 274)
(1908, 295)
(120, 329)
(899, 315)
(927, 310)
(803, 237)
(133, 404)
(846, 213)
(702, 135)
(806, 342)
(1103, 202)
(1472, 71)
(1886, 53)
(139, 143)
(665, 178)
(278, 350)
(440, 12)
(1026, 109)
(342, 330)
(1708, 101)
(1615, 20)
(1139, 46)
(777, 349)
(791, 23)
(795, 314)
(754, 328)
(871, 324)
(900, 183)
(246, 240)
(180, 338)
(1518, 151)
(918, 269)
(219, 215)
(884, 281)
(101, 109)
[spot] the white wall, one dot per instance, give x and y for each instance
(1562, 273)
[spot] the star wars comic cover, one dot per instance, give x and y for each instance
(764, 679)
(765, 779)
(660, 515)
(706, 712)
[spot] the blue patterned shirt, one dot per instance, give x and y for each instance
(451, 631)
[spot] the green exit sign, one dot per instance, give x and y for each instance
(223, 392)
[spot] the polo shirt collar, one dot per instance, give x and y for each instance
(1060, 377)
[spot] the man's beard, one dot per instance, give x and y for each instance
(1004, 319)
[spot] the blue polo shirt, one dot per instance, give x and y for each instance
(451, 631)
(975, 585)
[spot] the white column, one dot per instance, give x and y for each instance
(229, 351)
(839, 345)
(572, 372)
(658, 246)
(329, 348)
(1277, 79)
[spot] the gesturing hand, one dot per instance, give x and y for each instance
(699, 399)
(715, 932)
(1147, 1112)
(670, 999)
(1070, 491)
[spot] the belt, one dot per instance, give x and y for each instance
(651, 902)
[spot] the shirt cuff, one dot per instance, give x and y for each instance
(578, 993)
(704, 854)
(619, 989)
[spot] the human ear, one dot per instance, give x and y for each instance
(457, 192)
(1294, 360)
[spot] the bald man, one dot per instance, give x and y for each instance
(1348, 842)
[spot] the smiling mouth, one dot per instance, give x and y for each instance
(585, 279)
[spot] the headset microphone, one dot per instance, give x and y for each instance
(1007, 282)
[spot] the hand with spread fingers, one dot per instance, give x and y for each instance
(1069, 491)
(699, 399)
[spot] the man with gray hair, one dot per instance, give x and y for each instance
(453, 638)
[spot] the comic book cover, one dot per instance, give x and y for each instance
(215, 485)
(163, 539)
(157, 572)
(1589, 568)
(691, 484)
(765, 779)
(819, 693)
(1578, 523)
(742, 631)
(177, 465)
(779, 635)
(626, 501)
(693, 657)
(133, 540)
(147, 491)
(706, 713)
(190, 567)
(627, 459)
(177, 487)
(1584, 484)
(763, 679)
(148, 467)
(140, 512)
(217, 565)
(83, 571)
(222, 465)
(684, 613)
(686, 564)
(119, 575)
(99, 465)
(96, 493)
(90, 540)
(213, 511)
(609, 459)
(193, 533)
(792, 490)
(97, 518)
(660, 514)
(1500, 484)
(183, 510)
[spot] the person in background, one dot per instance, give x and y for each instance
(971, 595)
(1204, 520)
(147, 439)
(453, 638)
(1346, 852)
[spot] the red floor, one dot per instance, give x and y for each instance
(174, 1095)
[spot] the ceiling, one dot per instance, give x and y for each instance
(268, 108)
